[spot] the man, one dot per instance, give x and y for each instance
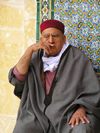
(58, 88)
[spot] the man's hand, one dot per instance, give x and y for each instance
(23, 63)
(42, 45)
(80, 114)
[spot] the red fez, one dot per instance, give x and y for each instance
(51, 23)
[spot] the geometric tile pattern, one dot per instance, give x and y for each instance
(82, 24)
(45, 10)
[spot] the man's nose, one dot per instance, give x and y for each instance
(51, 40)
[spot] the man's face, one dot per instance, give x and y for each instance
(54, 38)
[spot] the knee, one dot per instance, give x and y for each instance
(83, 128)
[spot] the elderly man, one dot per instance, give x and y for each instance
(58, 88)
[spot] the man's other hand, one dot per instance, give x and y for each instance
(80, 114)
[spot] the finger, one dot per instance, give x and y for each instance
(73, 122)
(50, 44)
(82, 119)
(86, 119)
(77, 121)
(70, 122)
(46, 48)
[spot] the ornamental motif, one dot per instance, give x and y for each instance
(82, 25)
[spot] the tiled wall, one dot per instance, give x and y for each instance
(82, 24)
(17, 32)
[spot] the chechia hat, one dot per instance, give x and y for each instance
(51, 23)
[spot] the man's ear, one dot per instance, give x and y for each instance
(40, 38)
(64, 38)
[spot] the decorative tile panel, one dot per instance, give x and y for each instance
(45, 10)
(82, 24)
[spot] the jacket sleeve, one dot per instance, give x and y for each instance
(19, 86)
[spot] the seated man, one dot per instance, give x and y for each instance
(58, 88)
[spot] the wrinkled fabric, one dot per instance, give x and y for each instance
(75, 84)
